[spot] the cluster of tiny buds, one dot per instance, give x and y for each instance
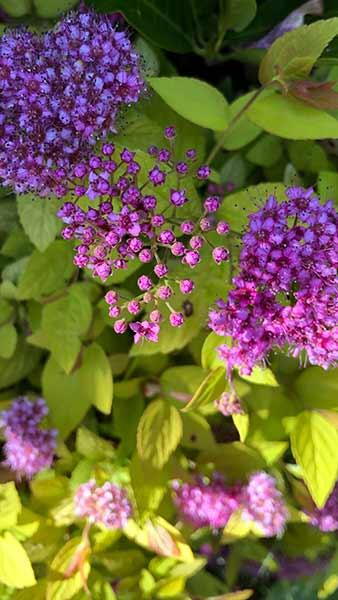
(129, 224)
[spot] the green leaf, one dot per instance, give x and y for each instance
(214, 384)
(96, 373)
(314, 446)
(78, 391)
(239, 14)
(46, 272)
(38, 218)
(64, 321)
(209, 356)
(149, 484)
(328, 186)
(16, 8)
(53, 8)
(8, 340)
(127, 413)
(17, 244)
(168, 25)
(195, 100)
(10, 505)
(60, 586)
(317, 388)
(261, 377)
(235, 459)
(15, 567)
(93, 446)
(38, 592)
(293, 55)
(300, 121)
(197, 433)
(265, 152)
(19, 365)
(240, 205)
(243, 131)
(6, 311)
(308, 156)
(159, 432)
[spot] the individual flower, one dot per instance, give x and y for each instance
(60, 92)
(286, 290)
(263, 504)
(28, 448)
(326, 518)
(124, 227)
(205, 504)
(106, 505)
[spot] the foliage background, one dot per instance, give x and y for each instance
(105, 395)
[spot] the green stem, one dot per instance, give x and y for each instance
(233, 122)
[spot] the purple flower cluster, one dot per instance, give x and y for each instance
(286, 290)
(28, 448)
(59, 92)
(206, 504)
(229, 404)
(326, 518)
(129, 224)
(264, 505)
(211, 504)
(107, 505)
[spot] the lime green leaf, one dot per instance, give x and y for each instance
(10, 505)
(93, 446)
(243, 131)
(194, 100)
(22, 362)
(241, 423)
(196, 432)
(123, 563)
(180, 383)
(261, 376)
(317, 388)
(211, 388)
(328, 186)
(46, 271)
(15, 567)
(49, 489)
(238, 206)
(159, 432)
(308, 156)
(127, 413)
(38, 218)
(61, 586)
(149, 484)
(8, 340)
(314, 445)
(236, 459)
(160, 537)
(265, 152)
(293, 55)
(170, 588)
(38, 592)
(96, 374)
(63, 322)
(209, 356)
(6, 310)
(53, 8)
(300, 121)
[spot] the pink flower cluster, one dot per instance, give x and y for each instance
(326, 518)
(108, 505)
(211, 504)
(60, 92)
(28, 448)
(286, 289)
(133, 222)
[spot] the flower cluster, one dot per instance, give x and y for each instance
(107, 505)
(229, 404)
(326, 518)
(212, 504)
(136, 218)
(206, 504)
(264, 505)
(28, 448)
(286, 289)
(59, 92)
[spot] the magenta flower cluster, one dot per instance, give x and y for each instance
(204, 504)
(28, 448)
(107, 505)
(326, 518)
(286, 289)
(264, 504)
(131, 222)
(60, 92)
